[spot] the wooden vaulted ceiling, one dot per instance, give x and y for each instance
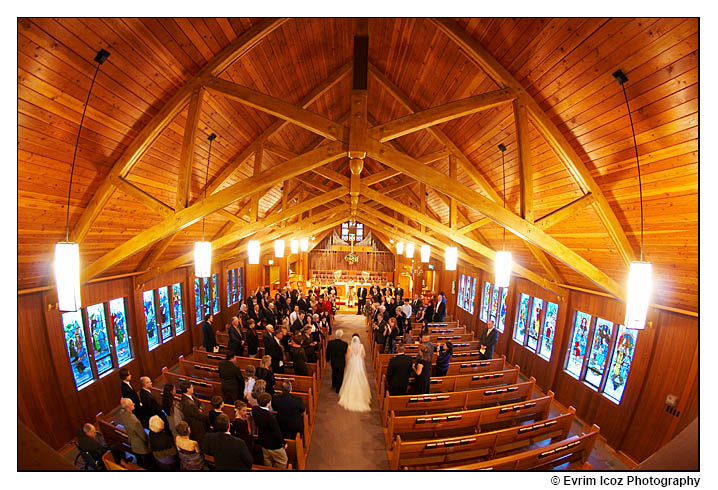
(564, 65)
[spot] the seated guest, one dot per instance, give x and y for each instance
(260, 386)
(193, 411)
(289, 412)
(150, 407)
(422, 370)
(269, 434)
(191, 458)
(230, 453)
(135, 433)
(231, 377)
(217, 404)
(249, 372)
(162, 446)
(92, 442)
(442, 361)
(299, 357)
(171, 408)
(128, 391)
(241, 425)
(264, 371)
(252, 339)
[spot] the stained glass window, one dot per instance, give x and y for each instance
(549, 330)
(229, 287)
(207, 300)
(345, 231)
(197, 301)
(502, 311)
(473, 295)
(153, 338)
(460, 297)
(484, 315)
(598, 355)
(360, 232)
(177, 308)
(234, 285)
(123, 346)
(520, 330)
(577, 347)
(77, 348)
(165, 314)
(99, 339)
(215, 294)
(494, 304)
(534, 325)
(620, 363)
(239, 283)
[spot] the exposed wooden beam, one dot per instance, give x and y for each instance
(495, 212)
(292, 113)
(555, 138)
(440, 114)
(330, 174)
(184, 177)
(159, 121)
(219, 200)
(143, 197)
(526, 174)
(453, 218)
(474, 226)
(565, 212)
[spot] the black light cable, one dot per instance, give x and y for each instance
(211, 138)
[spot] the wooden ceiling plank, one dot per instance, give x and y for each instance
(555, 138)
(440, 114)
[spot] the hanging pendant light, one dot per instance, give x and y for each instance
(279, 248)
(253, 252)
(203, 249)
(640, 280)
(425, 253)
(294, 246)
(502, 262)
(304, 244)
(67, 253)
(400, 248)
(450, 257)
(409, 250)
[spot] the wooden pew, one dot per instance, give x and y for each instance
(456, 400)
(212, 358)
(569, 450)
(444, 324)
(472, 345)
(416, 331)
(446, 424)
(110, 464)
(435, 453)
(464, 366)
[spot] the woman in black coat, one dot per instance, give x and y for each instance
(299, 357)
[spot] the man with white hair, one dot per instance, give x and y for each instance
(135, 433)
(336, 356)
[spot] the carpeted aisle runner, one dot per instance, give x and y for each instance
(344, 440)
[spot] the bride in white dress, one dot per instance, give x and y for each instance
(354, 394)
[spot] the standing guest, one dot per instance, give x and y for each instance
(443, 359)
(391, 307)
(236, 341)
(289, 412)
(361, 299)
(407, 309)
(429, 311)
(416, 304)
(399, 293)
(264, 371)
(150, 407)
(231, 377)
(422, 369)
(269, 434)
(217, 404)
(190, 455)
(171, 407)
(488, 340)
(243, 316)
(299, 357)
(309, 344)
(241, 427)
(299, 322)
(273, 348)
(252, 339)
(208, 339)
(440, 310)
(336, 357)
(398, 372)
(256, 314)
(230, 453)
(250, 373)
(135, 433)
(270, 314)
(390, 333)
(379, 327)
(128, 391)
(192, 411)
(260, 386)
(419, 315)
(162, 445)
(428, 355)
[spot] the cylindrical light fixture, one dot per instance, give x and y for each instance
(639, 294)
(425, 253)
(502, 269)
(400, 248)
(279, 248)
(67, 275)
(409, 250)
(202, 259)
(294, 245)
(253, 252)
(304, 244)
(450, 257)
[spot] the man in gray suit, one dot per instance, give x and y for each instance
(135, 433)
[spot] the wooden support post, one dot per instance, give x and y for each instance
(452, 202)
(526, 173)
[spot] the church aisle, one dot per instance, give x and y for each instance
(344, 440)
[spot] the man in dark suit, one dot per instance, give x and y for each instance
(231, 377)
(299, 322)
(488, 340)
(440, 310)
(230, 453)
(399, 293)
(303, 303)
(192, 412)
(270, 315)
(256, 314)
(252, 340)
(208, 339)
(269, 433)
(289, 412)
(398, 372)
(129, 392)
(361, 299)
(415, 305)
(236, 342)
(336, 356)
(332, 290)
(150, 406)
(273, 349)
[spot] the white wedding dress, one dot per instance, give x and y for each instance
(354, 394)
